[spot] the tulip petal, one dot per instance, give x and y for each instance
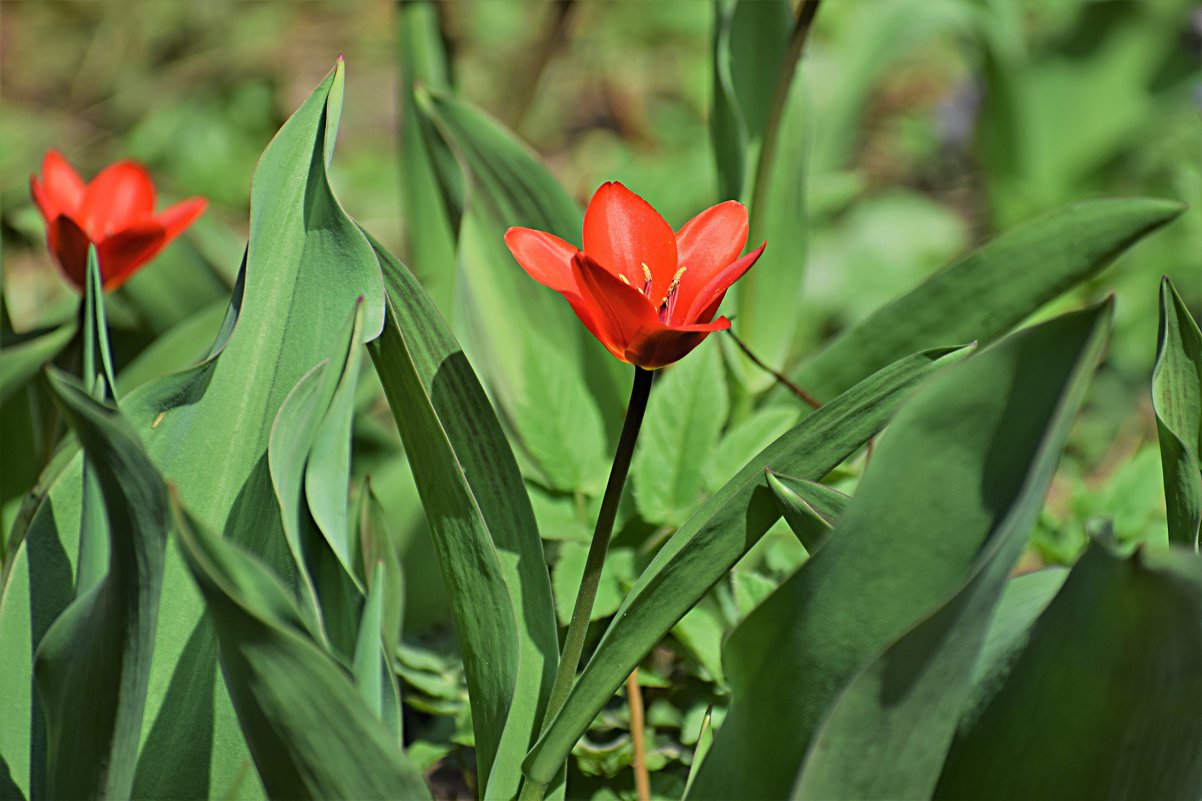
(61, 188)
(704, 304)
(546, 257)
(122, 254)
(175, 219)
(708, 243)
(69, 244)
(120, 196)
(618, 310)
(622, 232)
(658, 345)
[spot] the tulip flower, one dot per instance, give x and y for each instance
(114, 212)
(646, 292)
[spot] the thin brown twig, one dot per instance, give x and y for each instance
(634, 697)
(780, 377)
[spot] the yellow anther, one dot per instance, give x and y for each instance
(625, 280)
(646, 272)
(672, 287)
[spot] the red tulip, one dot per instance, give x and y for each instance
(649, 294)
(115, 212)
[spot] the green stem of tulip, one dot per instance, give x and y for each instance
(573, 643)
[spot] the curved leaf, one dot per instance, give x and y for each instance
(96, 656)
(811, 509)
(482, 525)
(913, 570)
(1099, 703)
(308, 728)
(1177, 399)
(985, 294)
(715, 537)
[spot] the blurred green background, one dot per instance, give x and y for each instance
(932, 126)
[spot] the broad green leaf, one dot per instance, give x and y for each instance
(481, 523)
(177, 349)
(701, 631)
(1177, 399)
(306, 266)
(502, 316)
(680, 432)
(986, 293)
(744, 440)
(308, 728)
(96, 656)
(1021, 604)
(559, 424)
(1099, 702)
(858, 666)
(811, 509)
(749, 43)
(22, 356)
(715, 537)
(429, 230)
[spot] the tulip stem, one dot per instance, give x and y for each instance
(573, 643)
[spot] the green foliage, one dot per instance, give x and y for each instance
(829, 603)
(810, 657)
(1177, 397)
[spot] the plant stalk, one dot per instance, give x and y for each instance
(573, 643)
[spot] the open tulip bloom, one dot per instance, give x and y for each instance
(648, 293)
(114, 212)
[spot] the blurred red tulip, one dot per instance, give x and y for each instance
(114, 212)
(649, 294)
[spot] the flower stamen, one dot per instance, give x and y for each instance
(669, 302)
(646, 290)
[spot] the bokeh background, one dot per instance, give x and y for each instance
(933, 125)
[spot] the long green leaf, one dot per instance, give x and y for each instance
(309, 730)
(749, 42)
(482, 524)
(1099, 704)
(507, 186)
(911, 573)
(985, 294)
(715, 537)
(96, 656)
(428, 226)
(1177, 399)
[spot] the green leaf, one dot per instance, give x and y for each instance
(482, 525)
(680, 432)
(986, 293)
(1177, 400)
(379, 547)
(1097, 705)
(372, 664)
(617, 574)
(22, 356)
(503, 317)
(748, 46)
(858, 666)
(309, 730)
(811, 509)
(96, 656)
(179, 348)
(428, 226)
(715, 537)
(744, 440)
(97, 358)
